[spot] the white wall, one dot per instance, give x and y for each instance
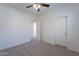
(16, 27)
(48, 25)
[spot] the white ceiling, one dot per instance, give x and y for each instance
(22, 6)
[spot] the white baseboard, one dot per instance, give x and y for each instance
(72, 49)
(14, 45)
(49, 42)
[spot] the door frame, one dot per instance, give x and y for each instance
(66, 31)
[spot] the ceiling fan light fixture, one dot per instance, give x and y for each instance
(37, 6)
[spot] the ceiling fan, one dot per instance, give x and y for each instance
(37, 6)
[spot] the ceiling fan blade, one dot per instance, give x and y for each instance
(45, 5)
(29, 6)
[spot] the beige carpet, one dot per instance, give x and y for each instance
(36, 48)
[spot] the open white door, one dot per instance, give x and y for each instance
(61, 31)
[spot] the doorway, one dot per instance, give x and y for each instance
(34, 30)
(61, 31)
